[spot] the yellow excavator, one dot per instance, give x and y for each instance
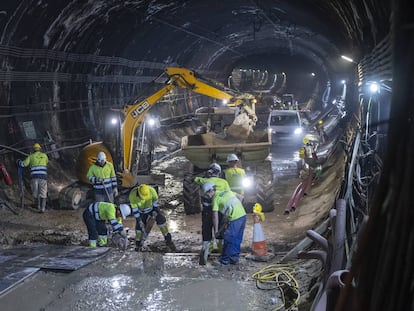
(242, 126)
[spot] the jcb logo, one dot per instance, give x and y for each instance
(139, 110)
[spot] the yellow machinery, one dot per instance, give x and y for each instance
(135, 112)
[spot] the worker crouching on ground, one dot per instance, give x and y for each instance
(102, 176)
(235, 175)
(233, 224)
(37, 161)
(95, 217)
(213, 176)
(145, 207)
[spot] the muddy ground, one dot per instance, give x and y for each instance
(155, 279)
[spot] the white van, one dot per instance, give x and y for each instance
(285, 123)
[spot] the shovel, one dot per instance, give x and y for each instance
(21, 185)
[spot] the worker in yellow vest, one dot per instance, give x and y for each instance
(102, 176)
(212, 175)
(37, 161)
(235, 175)
(145, 208)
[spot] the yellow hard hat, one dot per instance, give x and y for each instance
(36, 146)
(257, 208)
(320, 122)
(305, 140)
(144, 192)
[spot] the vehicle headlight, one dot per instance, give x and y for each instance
(298, 131)
(247, 182)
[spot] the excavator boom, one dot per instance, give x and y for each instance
(186, 79)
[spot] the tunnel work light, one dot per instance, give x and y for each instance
(348, 59)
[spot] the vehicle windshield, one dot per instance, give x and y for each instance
(284, 120)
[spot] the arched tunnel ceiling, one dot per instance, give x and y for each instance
(207, 35)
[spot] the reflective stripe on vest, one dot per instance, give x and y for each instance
(38, 171)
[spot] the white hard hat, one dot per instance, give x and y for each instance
(232, 157)
(125, 210)
(207, 186)
(101, 157)
(214, 169)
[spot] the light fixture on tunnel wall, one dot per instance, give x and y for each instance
(374, 87)
(115, 121)
(313, 74)
(348, 59)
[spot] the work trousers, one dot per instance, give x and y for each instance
(159, 219)
(233, 237)
(39, 188)
(102, 196)
(95, 227)
(207, 227)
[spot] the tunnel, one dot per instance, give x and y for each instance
(73, 71)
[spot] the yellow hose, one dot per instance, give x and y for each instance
(280, 277)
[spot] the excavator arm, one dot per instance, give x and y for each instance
(186, 79)
(135, 113)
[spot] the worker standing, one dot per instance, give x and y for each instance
(213, 176)
(145, 207)
(235, 175)
(102, 176)
(95, 217)
(37, 161)
(234, 222)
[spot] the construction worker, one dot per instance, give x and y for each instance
(37, 161)
(95, 217)
(146, 208)
(233, 224)
(320, 129)
(213, 176)
(235, 175)
(101, 174)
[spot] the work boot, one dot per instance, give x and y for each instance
(205, 251)
(42, 205)
(138, 246)
(37, 204)
(170, 243)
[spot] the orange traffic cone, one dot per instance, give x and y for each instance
(259, 246)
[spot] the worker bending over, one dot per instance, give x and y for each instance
(213, 176)
(95, 217)
(102, 176)
(145, 207)
(234, 222)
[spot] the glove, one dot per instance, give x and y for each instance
(116, 193)
(98, 180)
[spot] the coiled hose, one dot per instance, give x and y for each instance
(280, 277)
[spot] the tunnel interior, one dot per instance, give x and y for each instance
(70, 67)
